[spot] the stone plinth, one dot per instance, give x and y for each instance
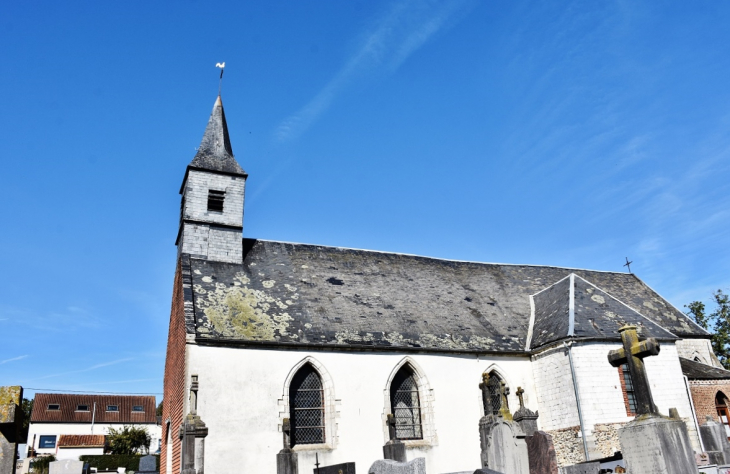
(503, 445)
(527, 419)
(344, 468)
(286, 463)
(395, 451)
(66, 466)
(582, 468)
(388, 466)
(715, 442)
(657, 445)
(541, 453)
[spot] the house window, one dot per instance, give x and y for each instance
(82, 408)
(494, 385)
(138, 408)
(54, 406)
(627, 386)
(215, 200)
(46, 442)
(722, 412)
(306, 398)
(112, 408)
(405, 404)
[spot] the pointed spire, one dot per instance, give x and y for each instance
(215, 152)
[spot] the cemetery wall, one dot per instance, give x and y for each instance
(175, 380)
(568, 446)
(703, 396)
(702, 348)
(356, 396)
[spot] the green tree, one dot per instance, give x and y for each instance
(128, 440)
(717, 323)
(26, 407)
(39, 465)
(159, 408)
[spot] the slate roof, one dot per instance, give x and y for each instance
(698, 371)
(69, 402)
(81, 441)
(215, 152)
(592, 313)
(286, 293)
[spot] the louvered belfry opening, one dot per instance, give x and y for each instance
(306, 397)
(405, 404)
(495, 396)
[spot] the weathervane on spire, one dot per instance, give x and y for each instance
(220, 80)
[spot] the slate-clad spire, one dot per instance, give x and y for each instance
(215, 152)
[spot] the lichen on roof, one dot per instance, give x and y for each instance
(307, 294)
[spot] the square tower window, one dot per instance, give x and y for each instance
(215, 200)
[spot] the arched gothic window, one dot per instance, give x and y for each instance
(494, 387)
(405, 404)
(721, 406)
(306, 400)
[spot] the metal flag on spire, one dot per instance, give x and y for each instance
(220, 79)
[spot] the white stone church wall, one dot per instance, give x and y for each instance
(555, 393)
(699, 348)
(243, 401)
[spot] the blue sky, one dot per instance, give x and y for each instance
(555, 133)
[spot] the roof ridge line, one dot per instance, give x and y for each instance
(437, 258)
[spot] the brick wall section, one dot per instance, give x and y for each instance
(623, 389)
(703, 397)
(174, 384)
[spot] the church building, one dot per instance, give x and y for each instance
(335, 339)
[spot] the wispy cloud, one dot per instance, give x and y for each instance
(88, 369)
(13, 359)
(407, 26)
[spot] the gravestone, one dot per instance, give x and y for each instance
(394, 449)
(147, 465)
(344, 468)
(582, 468)
(651, 443)
(286, 460)
(526, 418)
(502, 441)
(715, 442)
(541, 453)
(11, 419)
(66, 466)
(388, 466)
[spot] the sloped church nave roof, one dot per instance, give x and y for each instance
(287, 293)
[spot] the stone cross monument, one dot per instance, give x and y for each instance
(192, 433)
(394, 449)
(633, 354)
(502, 440)
(287, 460)
(652, 443)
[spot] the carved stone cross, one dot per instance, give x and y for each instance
(391, 427)
(633, 354)
(486, 399)
(519, 393)
(286, 430)
(504, 408)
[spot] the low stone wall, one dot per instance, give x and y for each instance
(605, 437)
(568, 445)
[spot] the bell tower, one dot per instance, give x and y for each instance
(211, 208)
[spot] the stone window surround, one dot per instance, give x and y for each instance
(330, 406)
(425, 394)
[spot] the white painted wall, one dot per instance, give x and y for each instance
(74, 453)
(242, 400)
(555, 392)
(58, 429)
